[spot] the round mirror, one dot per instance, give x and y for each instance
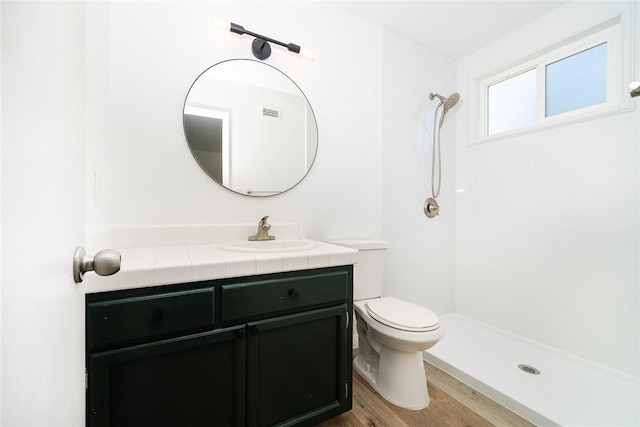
(250, 127)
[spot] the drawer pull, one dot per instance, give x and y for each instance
(157, 316)
(293, 294)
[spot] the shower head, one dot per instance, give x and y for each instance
(447, 103)
(451, 101)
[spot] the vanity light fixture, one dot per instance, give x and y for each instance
(260, 47)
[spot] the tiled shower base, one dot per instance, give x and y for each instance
(569, 391)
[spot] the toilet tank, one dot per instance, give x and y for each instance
(368, 273)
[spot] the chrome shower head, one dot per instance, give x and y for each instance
(447, 103)
(451, 101)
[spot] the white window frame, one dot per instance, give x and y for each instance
(618, 63)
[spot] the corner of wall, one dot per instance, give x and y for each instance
(1, 211)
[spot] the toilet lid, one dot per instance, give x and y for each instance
(402, 315)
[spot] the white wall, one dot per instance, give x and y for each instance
(547, 227)
(99, 87)
(0, 215)
(420, 258)
(142, 59)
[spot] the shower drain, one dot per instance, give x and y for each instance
(529, 369)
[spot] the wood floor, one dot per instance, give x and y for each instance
(453, 404)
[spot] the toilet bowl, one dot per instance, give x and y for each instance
(392, 335)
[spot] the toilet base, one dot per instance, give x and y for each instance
(399, 378)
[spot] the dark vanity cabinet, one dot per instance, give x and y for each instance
(261, 350)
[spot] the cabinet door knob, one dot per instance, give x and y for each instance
(293, 294)
(157, 316)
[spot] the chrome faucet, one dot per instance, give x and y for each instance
(263, 231)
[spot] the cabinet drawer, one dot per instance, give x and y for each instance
(273, 295)
(125, 319)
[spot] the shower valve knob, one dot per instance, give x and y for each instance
(431, 208)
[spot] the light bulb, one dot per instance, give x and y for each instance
(307, 54)
(222, 24)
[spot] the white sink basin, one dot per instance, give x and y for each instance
(269, 246)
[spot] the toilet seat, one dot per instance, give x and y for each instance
(402, 315)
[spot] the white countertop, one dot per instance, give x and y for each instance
(163, 265)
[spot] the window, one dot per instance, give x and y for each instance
(577, 81)
(570, 81)
(511, 103)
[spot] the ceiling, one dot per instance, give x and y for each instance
(453, 27)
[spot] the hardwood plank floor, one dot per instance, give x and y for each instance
(453, 404)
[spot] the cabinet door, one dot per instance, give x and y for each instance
(297, 368)
(196, 380)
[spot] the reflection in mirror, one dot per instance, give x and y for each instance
(250, 127)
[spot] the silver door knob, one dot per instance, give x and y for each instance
(104, 263)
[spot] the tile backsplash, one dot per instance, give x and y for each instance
(154, 235)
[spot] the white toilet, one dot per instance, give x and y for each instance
(391, 333)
